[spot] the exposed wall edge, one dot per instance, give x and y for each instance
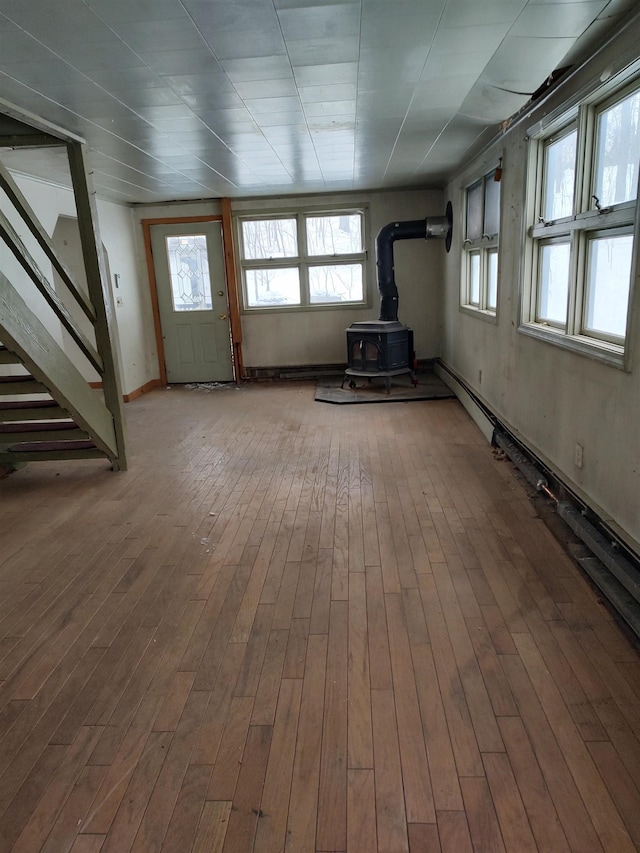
(476, 410)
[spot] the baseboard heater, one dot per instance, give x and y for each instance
(613, 567)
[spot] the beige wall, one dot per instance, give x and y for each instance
(317, 337)
(551, 397)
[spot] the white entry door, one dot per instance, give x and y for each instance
(188, 261)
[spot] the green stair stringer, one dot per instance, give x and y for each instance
(24, 334)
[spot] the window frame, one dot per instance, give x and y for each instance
(586, 223)
(481, 247)
(303, 261)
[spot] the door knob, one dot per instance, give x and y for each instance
(223, 316)
(221, 293)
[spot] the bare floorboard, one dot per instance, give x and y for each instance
(299, 627)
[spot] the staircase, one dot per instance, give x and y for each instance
(48, 410)
(37, 427)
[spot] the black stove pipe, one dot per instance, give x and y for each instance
(412, 230)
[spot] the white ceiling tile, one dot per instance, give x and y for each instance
(561, 20)
(325, 75)
(318, 51)
(328, 21)
(337, 92)
(197, 97)
(277, 88)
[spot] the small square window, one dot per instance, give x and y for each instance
(479, 290)
(559, 176)
(607, 296)
(553, 283)
(269, 238)
(583, 218)
(618, 152)
(303, 260)
(334, 235)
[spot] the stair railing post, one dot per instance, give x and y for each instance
(99, 290)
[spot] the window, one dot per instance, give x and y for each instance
(480, 256)
(189, 272)
(581, 237)
(307, 259)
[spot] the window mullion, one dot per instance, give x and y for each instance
(576, 271)
(584, 160)
(303, 260)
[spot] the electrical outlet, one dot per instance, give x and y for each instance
(119, 302)
(579, 456)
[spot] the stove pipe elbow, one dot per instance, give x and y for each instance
(424, 229)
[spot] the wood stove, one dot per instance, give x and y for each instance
(381, 348)
(384, 347)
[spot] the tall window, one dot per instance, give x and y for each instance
(303, 259)
(480, 256)
(582, 234)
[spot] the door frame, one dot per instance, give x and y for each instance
(230, 274)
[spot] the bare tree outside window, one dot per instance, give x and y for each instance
(328, 268)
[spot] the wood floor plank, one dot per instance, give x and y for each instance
(35, 832)
(167, 787)
(361, 806)
(379, 658)
(274, 807)
(416, 780)
(462, 735)
(543, 818)
(391, 817)
(481, 816)
(303, 804)
(507, 803)
(212, 827)
(453, 830)
(224, 775)
(575, 819)
(332, 788)
(602, 811)
(359, 736)
(182, 827)
(244, 816)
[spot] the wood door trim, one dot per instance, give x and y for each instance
(232, 288)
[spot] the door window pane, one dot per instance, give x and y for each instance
(339, 283)
(269, 238)
(334, 235)
(607, 295)
(189, 272)
(618, 152)
(267, 288)
(559, 177)
(553, 290)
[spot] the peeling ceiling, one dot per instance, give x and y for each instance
(185, 99)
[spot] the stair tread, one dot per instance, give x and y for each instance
(47, 446)
(37, 426)
(8, 380)
(28, 404)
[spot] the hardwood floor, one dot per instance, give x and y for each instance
(292, 626)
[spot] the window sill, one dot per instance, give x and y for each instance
(610, 354)
(289, 309)
(480, 313)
